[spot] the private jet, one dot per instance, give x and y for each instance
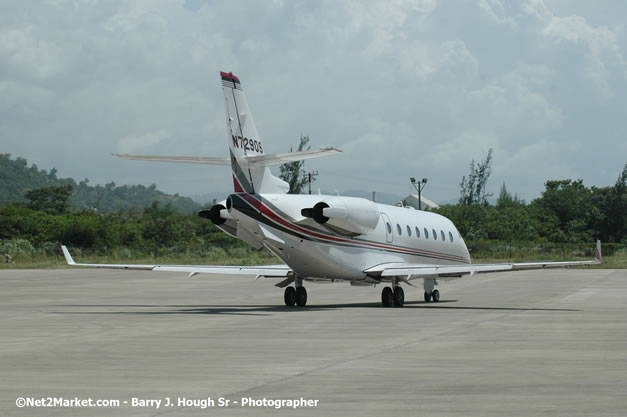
(323, 238)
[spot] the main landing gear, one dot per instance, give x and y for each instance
(296, 295)
(393, 297)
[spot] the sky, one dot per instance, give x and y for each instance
(406, 88)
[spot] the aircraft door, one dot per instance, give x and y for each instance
(387, 224)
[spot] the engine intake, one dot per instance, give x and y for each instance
(346, 215)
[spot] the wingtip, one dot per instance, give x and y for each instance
(68, 257)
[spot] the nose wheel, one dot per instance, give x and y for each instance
(433, 296)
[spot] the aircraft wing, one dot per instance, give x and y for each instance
(267, 271)
(412, 271)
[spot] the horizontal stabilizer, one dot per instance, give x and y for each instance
(282, 158)
(257, 160)
(180, 159)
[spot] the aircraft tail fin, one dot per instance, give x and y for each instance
(244, 143)
(249, 163)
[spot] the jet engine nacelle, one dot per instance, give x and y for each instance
(348, 215)
(218, 214)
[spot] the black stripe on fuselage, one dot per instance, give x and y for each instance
(245, 207)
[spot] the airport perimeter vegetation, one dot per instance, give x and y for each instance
(562, 224)
(31, 239)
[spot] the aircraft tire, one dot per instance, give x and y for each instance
(427, 297)
(301, 296)
(436, 296)
(399, 297)
(387, 297)
(289, 296)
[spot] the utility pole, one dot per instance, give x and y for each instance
(310, 176)
(419, 186)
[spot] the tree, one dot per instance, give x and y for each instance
(571, 203)
(617, 207)
(473, 187)
(507, 200)
(610, 216)
(50, 199)
(293, 172)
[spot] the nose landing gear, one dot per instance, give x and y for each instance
(431, 294)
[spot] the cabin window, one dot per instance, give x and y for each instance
(389, 226)
(398, 229)
(450, 236)
(442, 235)
(435, 235)
(408, 231)
(426, 233)
(417, 232)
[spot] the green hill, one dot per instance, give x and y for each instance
(17, 178)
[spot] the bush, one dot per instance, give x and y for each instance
(17, 248)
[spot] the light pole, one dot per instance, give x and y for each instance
(419, 186)
(310, 178)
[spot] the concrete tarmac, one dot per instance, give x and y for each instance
(550, 342)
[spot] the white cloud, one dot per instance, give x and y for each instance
(601, 43)
(450, 60)
(29, 53)
(468, 145)
(75, 3)
(538, 9)
(513, 105)
(495, 10)
(133, 143)
(383, 23)
(411, 87)
(521, 163)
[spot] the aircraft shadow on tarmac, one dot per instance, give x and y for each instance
(157, 309)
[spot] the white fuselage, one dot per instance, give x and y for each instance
(315, 251)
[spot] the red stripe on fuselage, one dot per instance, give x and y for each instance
(259, 205)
